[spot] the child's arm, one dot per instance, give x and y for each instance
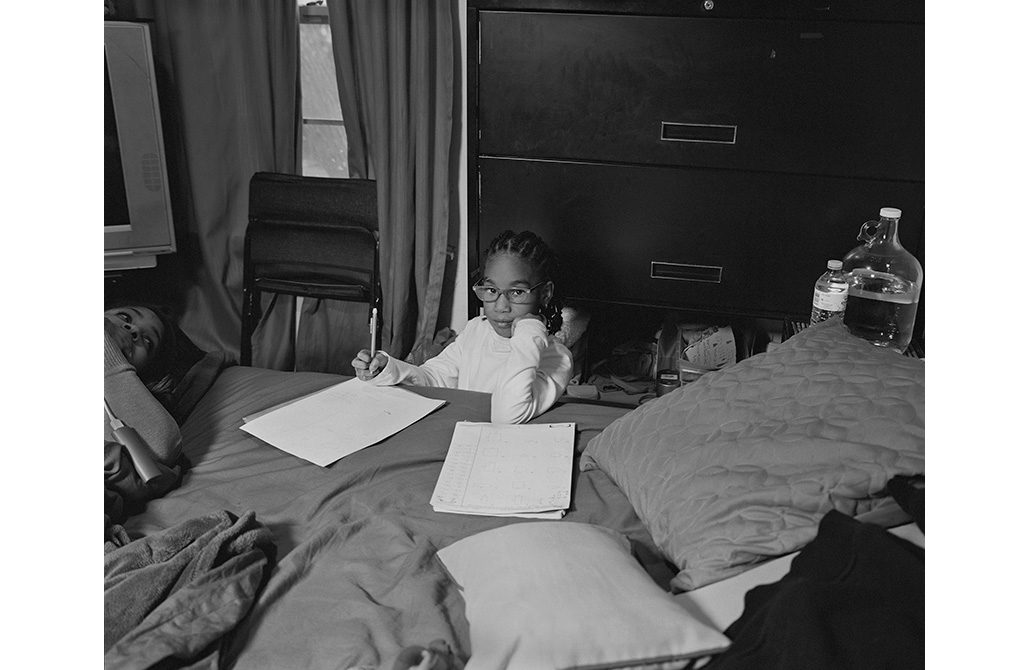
(134, 405)
(440, 371)
(537, 373)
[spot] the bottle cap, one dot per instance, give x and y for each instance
(834, 265)
(890, 212)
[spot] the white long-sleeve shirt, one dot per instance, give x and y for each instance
(524, 374)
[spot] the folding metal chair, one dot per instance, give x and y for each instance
(311, 237)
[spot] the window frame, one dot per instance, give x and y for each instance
(314, 14)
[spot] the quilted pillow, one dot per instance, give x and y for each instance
(560, 594)
(742, 464)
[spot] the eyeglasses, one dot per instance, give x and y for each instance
(516, 296)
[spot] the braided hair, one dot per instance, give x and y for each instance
(530, 248)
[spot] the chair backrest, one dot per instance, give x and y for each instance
(314, 237)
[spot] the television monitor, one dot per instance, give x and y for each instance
(138, 222)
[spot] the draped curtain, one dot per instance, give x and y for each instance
(397, 75)
(231, 69)
(229, 87)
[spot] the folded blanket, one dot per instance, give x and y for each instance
(853, 599)
(177, 593)
(910, 492)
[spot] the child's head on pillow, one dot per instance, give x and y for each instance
(146, 335)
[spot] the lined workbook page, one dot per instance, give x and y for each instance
(507, 469)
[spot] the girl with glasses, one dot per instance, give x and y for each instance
(509, 351)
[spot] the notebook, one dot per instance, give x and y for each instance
(507, 470)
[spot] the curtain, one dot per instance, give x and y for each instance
(233, 105)
(397, 75)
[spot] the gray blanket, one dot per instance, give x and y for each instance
(171, 597)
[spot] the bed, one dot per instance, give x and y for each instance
(690, 491)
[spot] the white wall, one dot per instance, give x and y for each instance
(459, 304)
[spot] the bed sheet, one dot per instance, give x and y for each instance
(356, 578)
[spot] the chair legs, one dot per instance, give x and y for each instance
(248, 323)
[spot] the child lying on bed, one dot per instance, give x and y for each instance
(510, 351)
(138, 346)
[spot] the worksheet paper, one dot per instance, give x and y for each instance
(330, 424)
(507, 470)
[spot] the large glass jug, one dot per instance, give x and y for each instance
(885, 281)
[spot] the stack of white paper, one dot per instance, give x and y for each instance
(507, 470)
(330, 424)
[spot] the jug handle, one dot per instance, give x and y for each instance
(868, 231)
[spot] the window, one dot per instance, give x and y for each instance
(324, 139)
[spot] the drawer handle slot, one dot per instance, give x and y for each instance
(686, 272)
(708, 133)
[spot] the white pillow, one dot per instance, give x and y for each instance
(561, 594)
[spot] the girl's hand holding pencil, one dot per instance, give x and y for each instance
(366, 365)
(368, 362)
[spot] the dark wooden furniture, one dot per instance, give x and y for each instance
(314, 237)
(699, 156)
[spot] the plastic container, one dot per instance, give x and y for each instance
(885, 283)
(668, 380)
(691, 372)
(831, 293)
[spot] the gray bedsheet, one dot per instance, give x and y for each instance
(357, 579)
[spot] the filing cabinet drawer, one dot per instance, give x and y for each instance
(799, 96)
(710, 240)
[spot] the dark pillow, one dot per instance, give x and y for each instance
(188, 391)
(192, 373)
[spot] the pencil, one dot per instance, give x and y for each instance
(372, 331)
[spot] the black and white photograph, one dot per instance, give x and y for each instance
(519, 335)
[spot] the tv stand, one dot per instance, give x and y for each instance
(129, 262)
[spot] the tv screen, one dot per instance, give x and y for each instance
(116, 207)
(138, 222)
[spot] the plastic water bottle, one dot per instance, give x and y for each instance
(831, 293)
(885, 284)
